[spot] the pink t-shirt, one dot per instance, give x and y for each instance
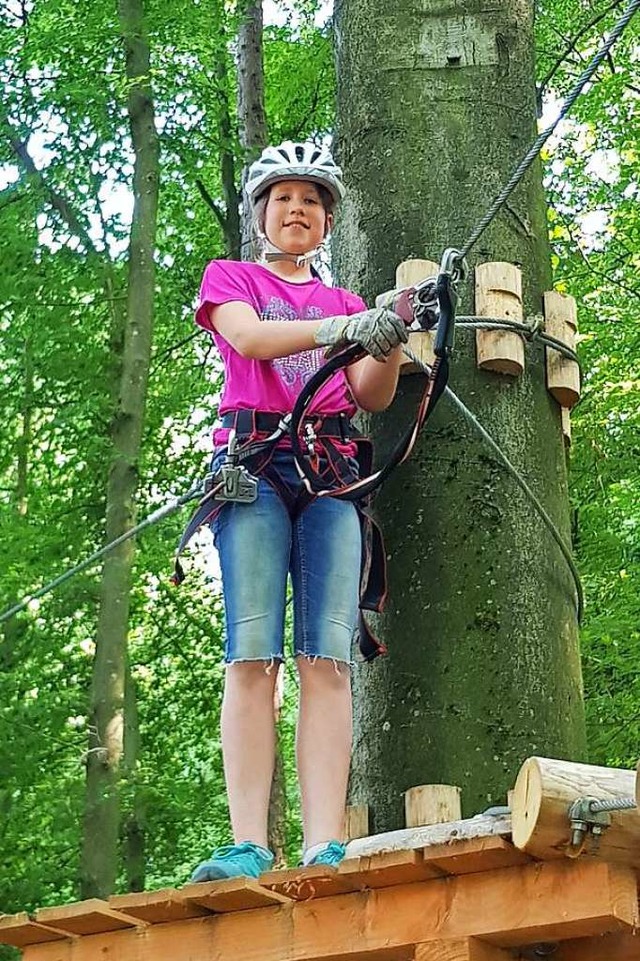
(274, 385)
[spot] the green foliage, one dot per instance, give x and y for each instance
(62, 292)
(594, 182)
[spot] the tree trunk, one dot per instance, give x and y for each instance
(227, 163)
(436, 104)
(134, 817)
(102, 814)
(251, 114)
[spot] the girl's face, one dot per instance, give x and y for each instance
(295, 219)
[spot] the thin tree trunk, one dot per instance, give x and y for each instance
(227, 164)
(134, 819)
(102, 813)
(277, 821)
(251, 113)
(436, 104)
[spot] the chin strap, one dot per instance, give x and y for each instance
(272, 253)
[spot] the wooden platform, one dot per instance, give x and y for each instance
(459, 892)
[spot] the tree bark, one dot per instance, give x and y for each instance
(436, 104)
(251, 113)
(102, 811)
(134, 817)
(227, 164)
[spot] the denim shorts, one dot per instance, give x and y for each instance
(259, 546)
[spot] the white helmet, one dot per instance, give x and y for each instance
(294, 161)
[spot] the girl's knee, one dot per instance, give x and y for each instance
(260, 673)
(323, 672)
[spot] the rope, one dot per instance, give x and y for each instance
(169, 508)
(530, 331)
(555, 533)
(542, 138)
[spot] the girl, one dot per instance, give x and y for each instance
(270, 321)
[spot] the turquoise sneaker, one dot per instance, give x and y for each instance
(234, 861)
(332, 854)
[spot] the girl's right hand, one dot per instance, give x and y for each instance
(378, 331)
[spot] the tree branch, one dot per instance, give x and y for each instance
(57, 201)
(210, 202)
(572, 44)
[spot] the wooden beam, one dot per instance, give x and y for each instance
(544, 791)
(522, 905)
(482, 826)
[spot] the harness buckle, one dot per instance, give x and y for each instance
(238, 485)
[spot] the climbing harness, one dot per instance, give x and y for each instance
(254, 437)
(419, 303)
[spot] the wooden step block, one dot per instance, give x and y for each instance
(316, 881)
(476, 854)
(157, 907)
(86, 917)
(385, 869)
(236, 894)
(20, 931)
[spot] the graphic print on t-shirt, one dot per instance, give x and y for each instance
(296, 369)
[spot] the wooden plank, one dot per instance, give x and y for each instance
(236, 894)
(550, 901)
(20, 931)
(481, 826)
(609, 947)
(465, 949)
(86, 917)
(385, 869)
(316, 881)
(474, 854)
(157, 907)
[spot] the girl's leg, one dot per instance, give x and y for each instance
(326, 574)
(248, 745)
(254, 545)
(323, 747)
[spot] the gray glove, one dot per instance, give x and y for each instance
(378, 331)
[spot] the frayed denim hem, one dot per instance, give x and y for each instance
(312, 658)
(274, 660)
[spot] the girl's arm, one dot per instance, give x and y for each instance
(373, 383)
(241, 327)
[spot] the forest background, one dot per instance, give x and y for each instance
(66, 167)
